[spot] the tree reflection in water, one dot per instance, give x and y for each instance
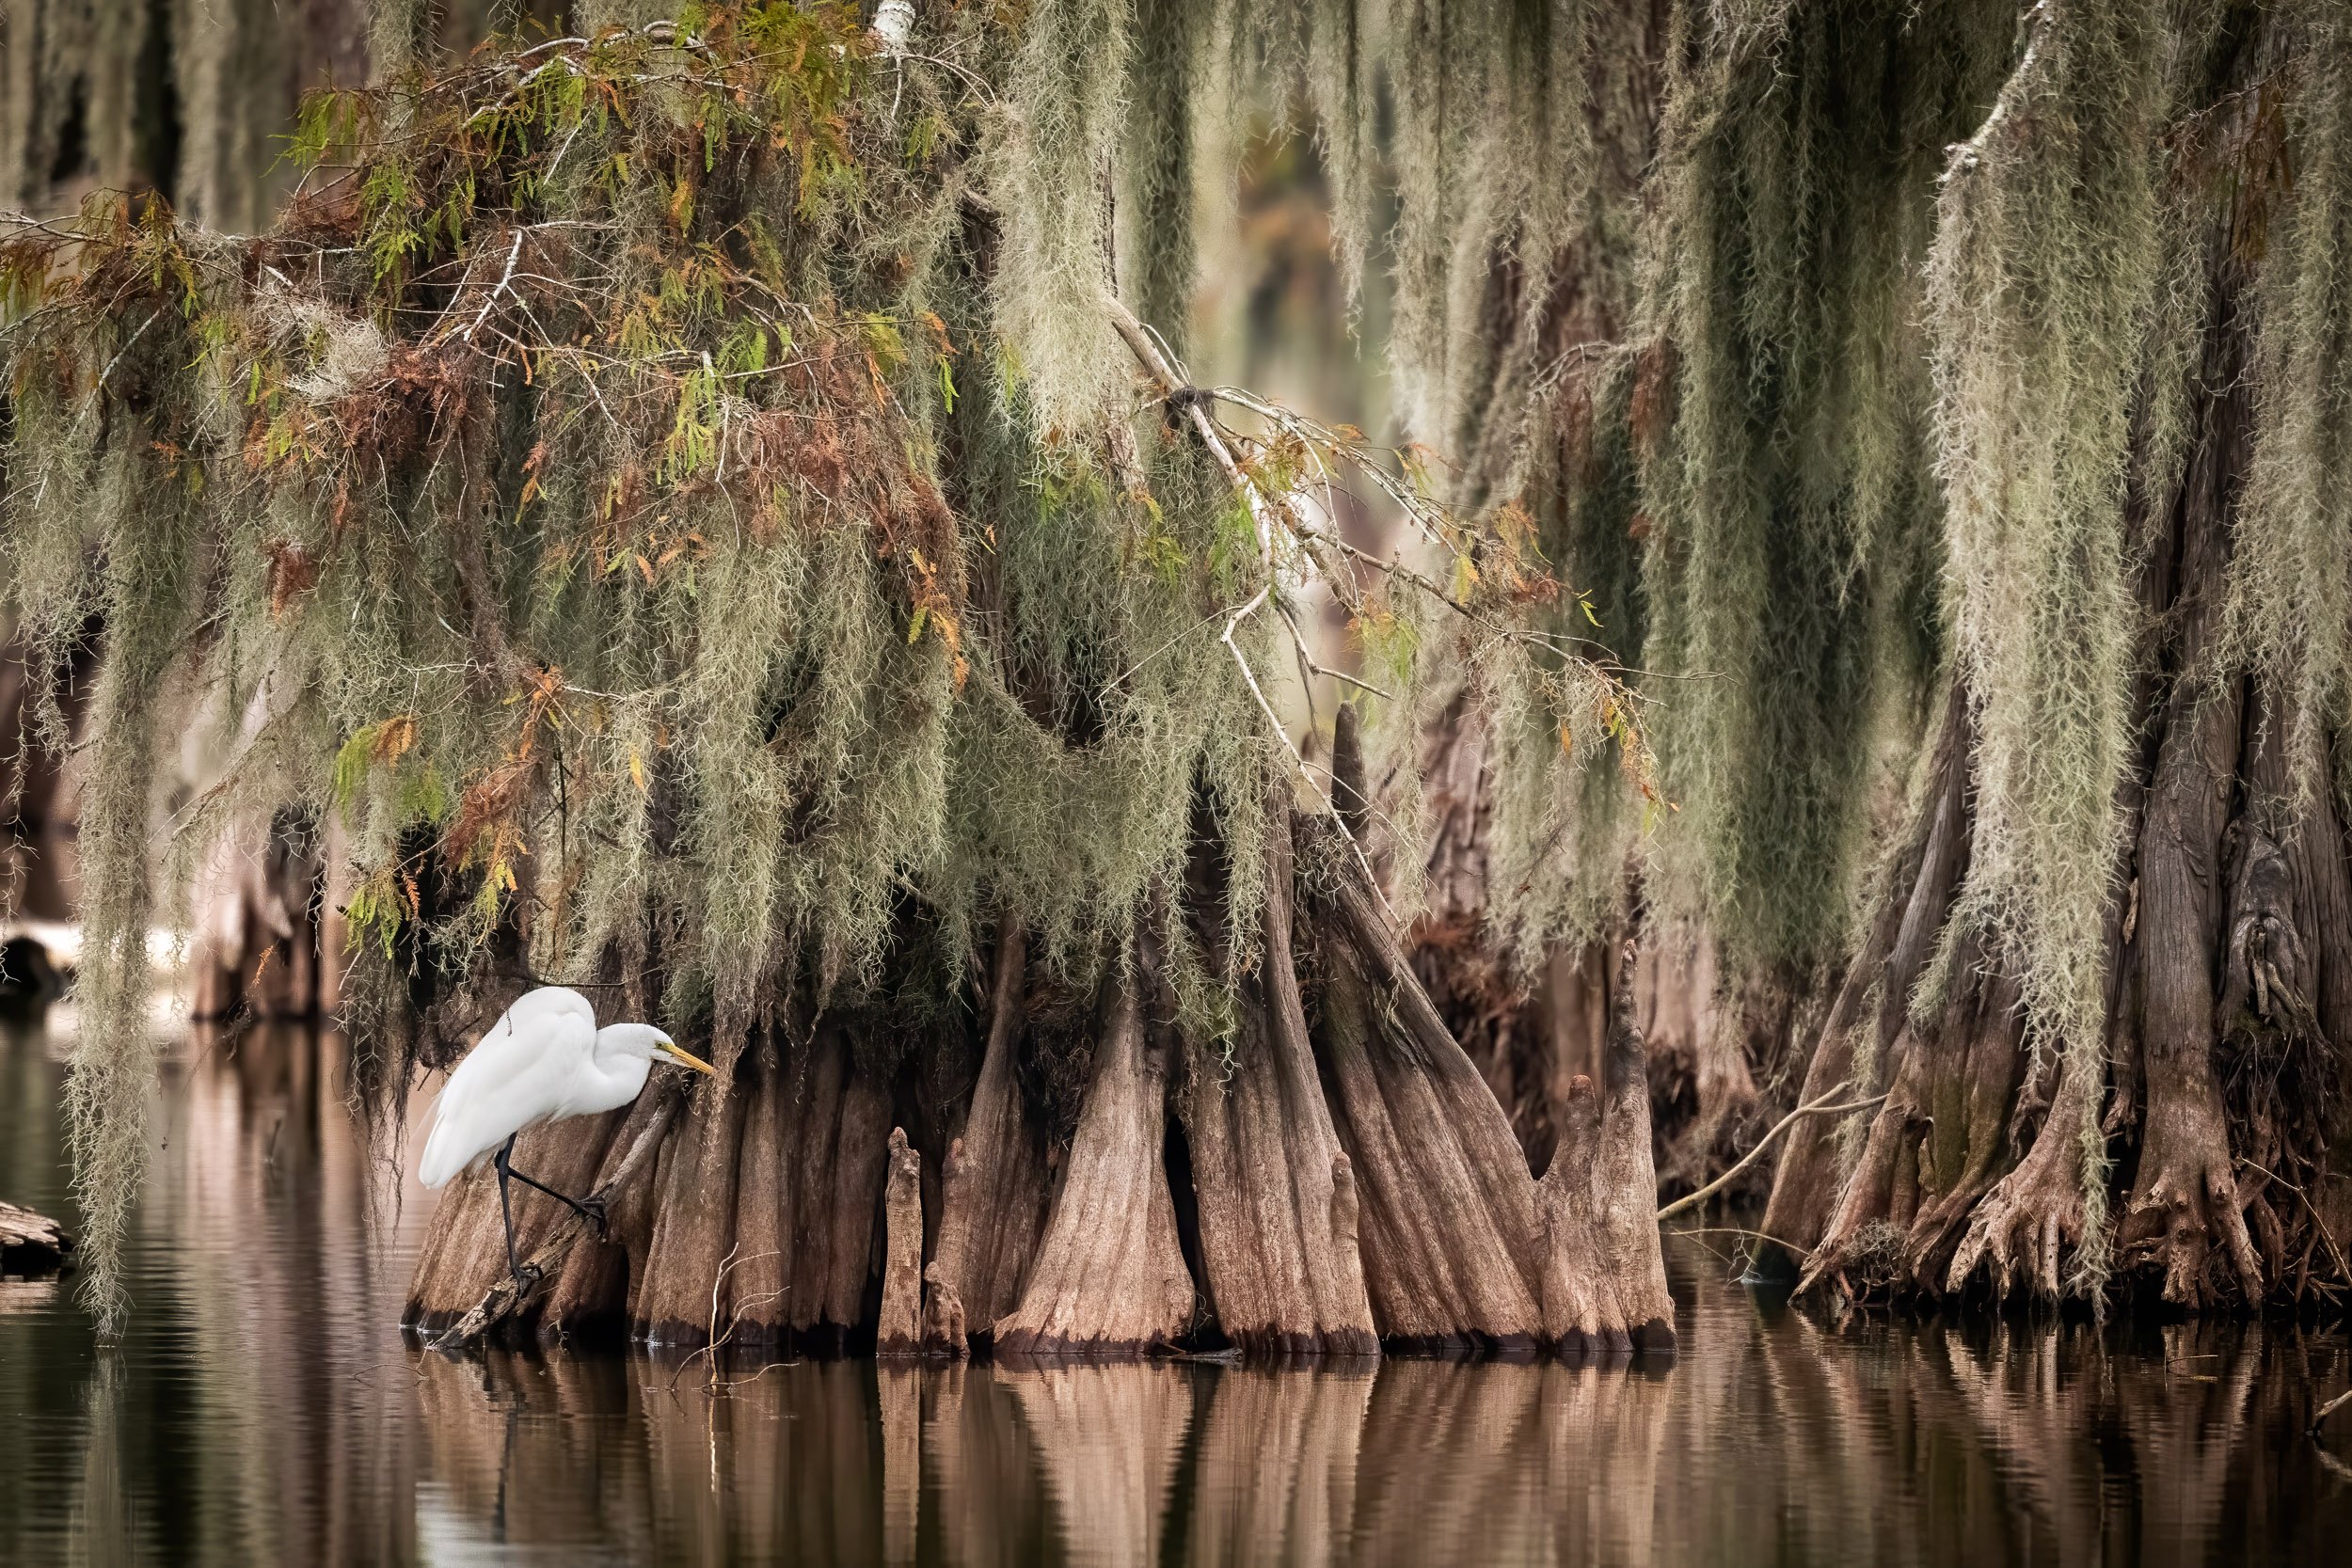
(262, 1410)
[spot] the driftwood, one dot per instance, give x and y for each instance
(505, 1297)
(31, 1244)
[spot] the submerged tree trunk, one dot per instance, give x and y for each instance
(2202, 1128)
(994, 1181)
(1275, 1194)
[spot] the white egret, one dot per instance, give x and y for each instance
(543, 1060)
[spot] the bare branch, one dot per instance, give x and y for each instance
(1819, 1107)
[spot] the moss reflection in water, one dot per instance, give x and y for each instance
(264, 1410)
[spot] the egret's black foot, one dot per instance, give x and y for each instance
(594, 1210)
(526, 1278)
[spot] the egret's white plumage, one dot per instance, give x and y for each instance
(544, 1059)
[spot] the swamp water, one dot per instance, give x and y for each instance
(264, 1409)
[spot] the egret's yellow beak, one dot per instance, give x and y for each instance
(683, 1059)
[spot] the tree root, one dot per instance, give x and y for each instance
(2021, 1231)
(2186, 1219)
(1860, 1039)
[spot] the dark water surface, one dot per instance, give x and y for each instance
(264, 1409)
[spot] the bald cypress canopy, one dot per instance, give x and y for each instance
(678, 501)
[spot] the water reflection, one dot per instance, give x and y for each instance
(263, 1410)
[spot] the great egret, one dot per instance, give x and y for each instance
(544, 1060)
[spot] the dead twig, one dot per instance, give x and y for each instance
(2335, 1254)
(718, 1338)
(1266, 520)
(1819, 1107)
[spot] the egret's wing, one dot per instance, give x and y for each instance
(544, 1005)
(550, 1026)
(520, 1072)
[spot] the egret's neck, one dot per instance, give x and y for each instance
(623, 1058)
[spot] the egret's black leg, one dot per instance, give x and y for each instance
(506, 1211)
(589, 1208)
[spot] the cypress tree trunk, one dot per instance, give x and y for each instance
(1110, 1274)
(1275, 1196)
(2203, 1126)
(1460, 1245)
(994, 1180)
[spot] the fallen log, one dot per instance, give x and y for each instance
(506, 1297)
(31, 1244)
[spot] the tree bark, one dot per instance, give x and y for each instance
(1603, 1286)
(1446, 1204)
(1109, 1276)
(1937, 1143)
(992, 1208)
(1274, 1194)
(634, 1155)
(900, 1329)
(2184, 1201)
(1872, 1002)
(1461, 1246)
(682, 1297)
(466, 1255)
(816, 1153)
(589, 1298)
